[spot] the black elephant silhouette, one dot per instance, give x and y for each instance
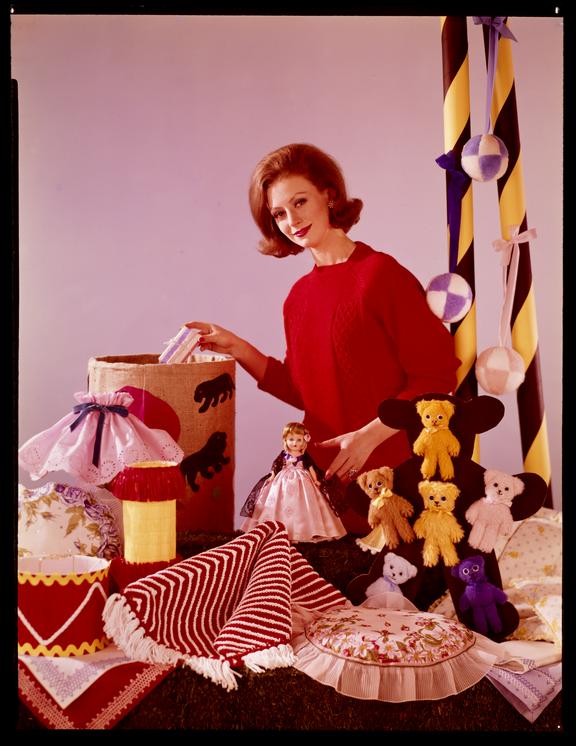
(210, 456)
(214, 391)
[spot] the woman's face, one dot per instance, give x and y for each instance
(295, 443)
(300, 210)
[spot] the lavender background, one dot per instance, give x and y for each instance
(137, 138)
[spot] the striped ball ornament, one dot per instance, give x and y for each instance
(449, 297)
(485, 158)
(500, 370)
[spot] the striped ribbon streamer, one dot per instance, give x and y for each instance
(456, 113)
(531, 413)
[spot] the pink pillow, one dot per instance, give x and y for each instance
(392, 654)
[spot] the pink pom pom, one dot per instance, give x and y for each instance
(499, 370)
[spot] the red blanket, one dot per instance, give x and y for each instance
(226, 607)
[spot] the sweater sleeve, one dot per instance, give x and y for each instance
(424, 345)
(277, 381)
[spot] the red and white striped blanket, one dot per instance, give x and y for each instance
(225, 607)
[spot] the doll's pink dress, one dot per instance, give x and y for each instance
(292, 498)
(71, 444)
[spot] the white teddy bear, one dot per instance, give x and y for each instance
(490, 516)
(395, 571)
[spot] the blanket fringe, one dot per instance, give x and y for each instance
(123, 626)
(218, 671)
(280, 656)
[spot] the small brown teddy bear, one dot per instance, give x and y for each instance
(436, 443)
(437, 524)
(387, 514)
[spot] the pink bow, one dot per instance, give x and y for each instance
(510, 255)
(505, 247)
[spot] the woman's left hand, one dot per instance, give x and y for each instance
(355, 448)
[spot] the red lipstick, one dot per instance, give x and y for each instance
(302, 232)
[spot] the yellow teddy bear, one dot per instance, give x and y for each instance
(436, 524)
(387, 514)
(436, 443)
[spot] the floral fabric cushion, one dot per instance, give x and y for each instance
(58, 519)
(376, 636)
(392, 654)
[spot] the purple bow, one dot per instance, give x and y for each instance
(458, 181)
(496, 26)
(86, 408)
(293, 459)
(496, 22)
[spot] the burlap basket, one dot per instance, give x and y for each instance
(195, 403)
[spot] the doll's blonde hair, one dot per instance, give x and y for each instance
(296, 428)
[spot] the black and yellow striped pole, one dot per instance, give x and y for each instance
(531, 412)
(456, 116)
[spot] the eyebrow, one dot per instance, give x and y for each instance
(292, 198)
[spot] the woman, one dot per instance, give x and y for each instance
(358, 327)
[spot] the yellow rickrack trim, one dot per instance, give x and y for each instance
(34, 578)
(85, 648)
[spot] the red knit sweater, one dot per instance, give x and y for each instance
(357, 333)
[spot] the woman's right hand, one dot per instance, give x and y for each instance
(216, 339)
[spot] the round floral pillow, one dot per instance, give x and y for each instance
(392, 654)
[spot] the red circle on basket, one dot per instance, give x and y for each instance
(153, 411)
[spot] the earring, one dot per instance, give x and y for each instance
(331, 204)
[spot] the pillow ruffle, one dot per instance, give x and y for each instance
(361, 653)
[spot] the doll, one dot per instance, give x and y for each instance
(294, 493)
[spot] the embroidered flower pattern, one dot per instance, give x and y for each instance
(390, 637)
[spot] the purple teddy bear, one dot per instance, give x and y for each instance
(480, 595)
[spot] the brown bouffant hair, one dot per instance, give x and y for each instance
(298, 159)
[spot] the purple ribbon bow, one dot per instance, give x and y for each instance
(496, 22)
(458, 181)
(86, 408)
(496, 26)
(294, 459)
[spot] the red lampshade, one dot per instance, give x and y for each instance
(60, 604)
(149, 481)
